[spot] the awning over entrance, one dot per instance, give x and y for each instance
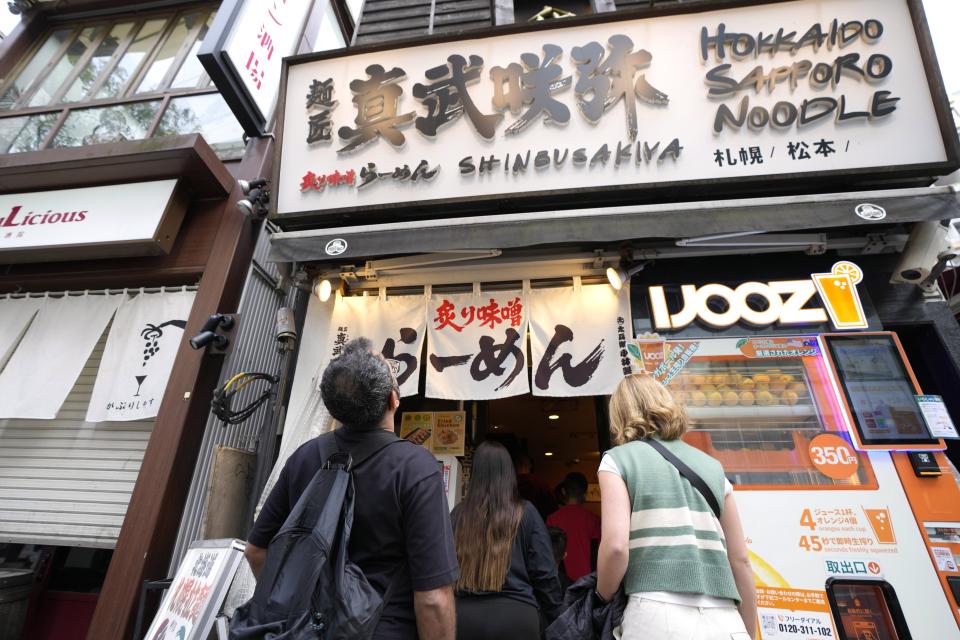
(612, 224)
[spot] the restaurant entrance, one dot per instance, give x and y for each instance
(557, 435)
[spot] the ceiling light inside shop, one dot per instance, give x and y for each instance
(548, 453)
(553, 416)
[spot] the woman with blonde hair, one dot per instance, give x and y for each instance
(685, 571)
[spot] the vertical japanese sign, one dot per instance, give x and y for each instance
(574, 340)
(194, 598)
(139, 355)
(477, 346)
(262, 34)
(394, 325)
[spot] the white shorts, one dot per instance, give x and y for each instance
(652, 620)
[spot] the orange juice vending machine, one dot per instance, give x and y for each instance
(847, 540)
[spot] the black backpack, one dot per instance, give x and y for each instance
(308, 588)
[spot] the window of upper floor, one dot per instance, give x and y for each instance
(113, 79)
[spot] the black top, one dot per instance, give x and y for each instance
(400, 522)
(532, 576)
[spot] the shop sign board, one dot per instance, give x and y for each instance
(243, 54)
(138, 219)
(195, 596)
(786, 303)
(614, 107)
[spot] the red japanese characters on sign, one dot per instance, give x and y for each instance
(261, 47)
(490, 315)
(317, 182)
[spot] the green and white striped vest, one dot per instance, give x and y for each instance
(676, 543)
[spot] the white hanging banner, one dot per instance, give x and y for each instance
(45, 366)
(395, 326)
(578, 340)
(15, 315)
(477, 346)
(138, 358)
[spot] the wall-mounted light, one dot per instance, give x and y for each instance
(622, 273)
(553, 416)
(323, 289)
(256, 204)
(548, 453)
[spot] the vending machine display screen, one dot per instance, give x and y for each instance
(878, 390)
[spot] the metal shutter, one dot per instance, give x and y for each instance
(389, 20)
(65, 481)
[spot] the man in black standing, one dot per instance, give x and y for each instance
(401, 525)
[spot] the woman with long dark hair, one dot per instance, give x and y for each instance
(508, 577)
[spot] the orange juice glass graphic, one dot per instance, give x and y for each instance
(838, 290)
(881, 525)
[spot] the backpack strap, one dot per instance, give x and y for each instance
(371, 445)
(692, 476)
(330, 448)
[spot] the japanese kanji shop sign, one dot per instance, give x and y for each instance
(191, 604)
(578, 340)
(396, 326)
(811, 87)
(477, 346)
(93, 222)
(244, 51)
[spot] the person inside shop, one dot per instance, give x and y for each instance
(581, 526)
(686, 573)
(559, 541)
(508, 575)
(533, 488)
(401, 533)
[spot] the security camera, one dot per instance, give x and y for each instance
(921, 253)
(247, 185)
(208, 332)
(202, 339)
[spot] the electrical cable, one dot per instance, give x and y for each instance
(223, 396)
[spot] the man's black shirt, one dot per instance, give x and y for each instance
(400, 522)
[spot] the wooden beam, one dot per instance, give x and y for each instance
(187, 157)
(150, 529)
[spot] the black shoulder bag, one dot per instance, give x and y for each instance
(692, 476)
(308, 588)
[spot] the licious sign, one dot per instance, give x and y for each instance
(809, 87)
(93, 222)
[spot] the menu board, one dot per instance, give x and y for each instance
(440, 432)
(417, 427)
(878, 390)
(449, 432)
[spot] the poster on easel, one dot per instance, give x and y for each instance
(192, 603)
